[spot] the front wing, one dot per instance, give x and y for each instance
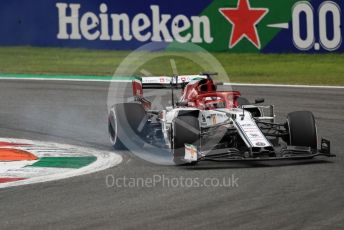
(288, 153)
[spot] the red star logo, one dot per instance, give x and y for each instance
(244, 20)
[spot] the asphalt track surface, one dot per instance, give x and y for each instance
(280, 195)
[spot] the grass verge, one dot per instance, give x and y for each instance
(317, 69)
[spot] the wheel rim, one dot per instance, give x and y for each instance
(289, 132)
(113, 128)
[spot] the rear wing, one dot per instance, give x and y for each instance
(168, 82)
(162, 82)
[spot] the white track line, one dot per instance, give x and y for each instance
(62, 79)
(287, 86)
(124, 81)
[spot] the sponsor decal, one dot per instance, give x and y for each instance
(260, 144)
(252, 132)
(190, 152)
(244, 20)
(246, 125)
(153, 26)
(213, 119)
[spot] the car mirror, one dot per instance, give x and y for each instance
(259, 100)
(182, 103)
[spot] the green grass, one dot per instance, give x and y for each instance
(323, 69)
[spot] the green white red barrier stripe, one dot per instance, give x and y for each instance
(26, 162)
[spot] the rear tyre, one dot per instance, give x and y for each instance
(186, 131)
(125, 125)
(113, 132)
(302, 129)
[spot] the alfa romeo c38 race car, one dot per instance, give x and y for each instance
(207, 124)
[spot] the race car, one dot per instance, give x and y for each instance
(213, 125)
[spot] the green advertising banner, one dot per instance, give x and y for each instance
(265, 26)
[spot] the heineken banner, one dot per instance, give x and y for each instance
(267, 26)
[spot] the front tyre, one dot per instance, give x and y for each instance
(302, 129)
(186, 131)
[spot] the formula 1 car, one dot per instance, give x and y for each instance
(207, 124)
